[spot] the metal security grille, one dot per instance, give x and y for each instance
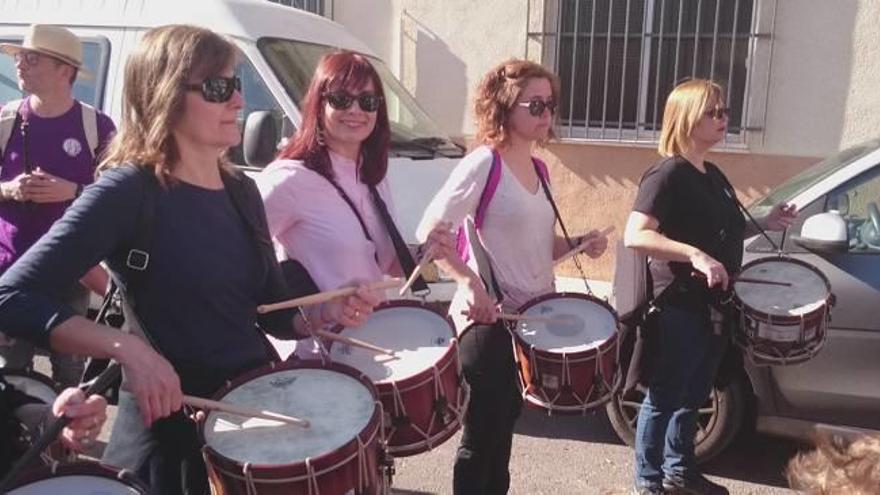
(313, 6)
(617, 60)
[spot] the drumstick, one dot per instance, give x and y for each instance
(607, 230)
(354, 342)
(535, 319)
(749, 280)
(326, 296)
(412, 278)
(242, 411)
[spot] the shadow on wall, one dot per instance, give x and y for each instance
(425, 58)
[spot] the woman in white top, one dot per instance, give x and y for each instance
(318, 194)
(514, 109)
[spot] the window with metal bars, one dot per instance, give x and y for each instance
(617, 60)
(313, 6)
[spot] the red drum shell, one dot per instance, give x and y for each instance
(349, 467)
(569, 383)
(421, 411)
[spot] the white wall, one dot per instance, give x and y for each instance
(824, 81)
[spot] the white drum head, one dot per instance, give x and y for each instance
(32, 387)
(420, 337)
(76, 485)
(807, 292)
(580, 325)
(338, 407)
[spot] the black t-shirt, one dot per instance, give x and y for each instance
(694, 208)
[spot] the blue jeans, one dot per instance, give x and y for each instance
(687, 357)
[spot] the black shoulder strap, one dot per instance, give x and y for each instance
(547, 193)
(138, 258)
(407, 263)
(354, 210)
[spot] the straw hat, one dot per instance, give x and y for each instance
(51, 40)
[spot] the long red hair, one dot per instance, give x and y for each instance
(347, 71)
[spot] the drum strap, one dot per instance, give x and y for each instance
(404, 257)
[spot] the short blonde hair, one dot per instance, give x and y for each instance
(154, 90)
(838, 467)
(685, 107)
(497, 94)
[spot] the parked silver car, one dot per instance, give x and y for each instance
(838, 389)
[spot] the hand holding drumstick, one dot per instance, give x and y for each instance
(593, 243)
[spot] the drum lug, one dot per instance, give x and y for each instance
(400, 421)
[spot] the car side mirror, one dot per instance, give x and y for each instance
(260, 138)
(824, 233)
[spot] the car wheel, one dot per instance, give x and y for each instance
(718, 421)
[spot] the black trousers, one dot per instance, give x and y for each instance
(481, 463)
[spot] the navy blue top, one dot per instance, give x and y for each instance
(198, 297)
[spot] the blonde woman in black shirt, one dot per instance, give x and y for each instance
(686, 219)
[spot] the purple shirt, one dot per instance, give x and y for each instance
(58, 146)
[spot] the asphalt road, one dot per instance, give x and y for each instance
(582, 455)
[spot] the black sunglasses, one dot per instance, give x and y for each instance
(536, 107)
(217, 89)
(343, 100)
(718, 113)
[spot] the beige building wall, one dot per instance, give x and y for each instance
(817, 91)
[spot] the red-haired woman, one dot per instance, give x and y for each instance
(326, 192)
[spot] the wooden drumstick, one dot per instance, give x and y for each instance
(535, 319)
(577, 249)
(242, 411)
(326, 296)
(354, 342)
(429, 254)
(749, 280)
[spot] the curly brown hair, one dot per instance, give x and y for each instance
(838, 467)
(499, 91)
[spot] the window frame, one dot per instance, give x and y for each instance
(542, 45)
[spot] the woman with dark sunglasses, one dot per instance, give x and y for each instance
(326, 196)
(514, 108)
(186, 236)
(687, 220)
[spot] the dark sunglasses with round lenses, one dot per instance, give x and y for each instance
(343, 100)
(718, 113)
(537, 106)
(217, 89)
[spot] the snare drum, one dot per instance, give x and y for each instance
(34, 384)
(782, 325)
(43, 388)
(338, 453)
(567, 365)
(82, 478)
(421, 388)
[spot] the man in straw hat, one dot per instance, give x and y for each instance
(49, 144)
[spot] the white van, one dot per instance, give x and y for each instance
(280, 47)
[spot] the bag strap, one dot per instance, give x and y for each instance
(354, 210)
(407, 263)
(90, 126)
(8, 119)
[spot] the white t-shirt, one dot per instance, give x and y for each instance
(517, 232)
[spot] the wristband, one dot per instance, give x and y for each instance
(79, 190)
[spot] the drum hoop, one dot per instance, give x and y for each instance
(407, 303)
(374, 421)
(36, 376)
(423, 377)
(373, 428)
(560, 295)
(82, 468)
(783, 319)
